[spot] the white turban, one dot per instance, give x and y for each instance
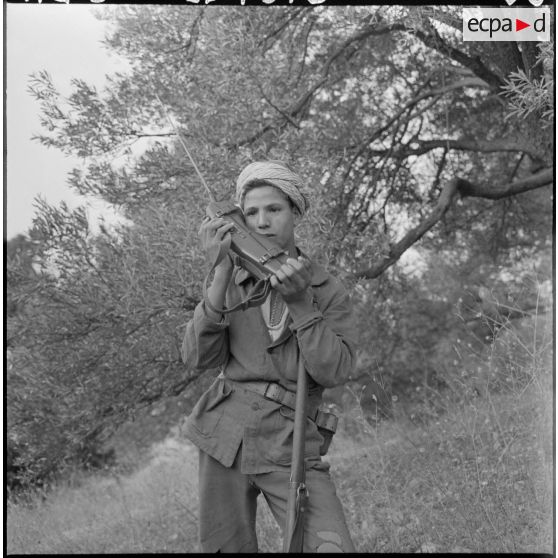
(277, 174)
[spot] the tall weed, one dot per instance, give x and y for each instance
(151, 510)
(465, 469)
(451, 474)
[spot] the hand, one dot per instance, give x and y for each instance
(212, 233)
(293, 279)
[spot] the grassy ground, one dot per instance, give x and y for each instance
(478, 479)
(150, 510)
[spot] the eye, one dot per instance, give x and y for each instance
(249, 212)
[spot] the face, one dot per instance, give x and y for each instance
(269, 212)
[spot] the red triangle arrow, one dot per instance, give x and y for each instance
(519, 25)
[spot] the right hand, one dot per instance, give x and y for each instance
(212, 233)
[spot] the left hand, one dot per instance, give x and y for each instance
(293, 279)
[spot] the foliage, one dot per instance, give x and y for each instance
(530, 95)
(474, 480)
(405, 135)
(147, 511)
(106, 335)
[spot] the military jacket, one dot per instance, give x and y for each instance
(226, 415)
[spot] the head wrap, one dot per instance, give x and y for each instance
(277, 174)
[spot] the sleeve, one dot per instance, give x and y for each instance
(206, 341)
(327, 337)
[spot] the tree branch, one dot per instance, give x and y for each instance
(192, 39)
(475, 64)
(290, 17)
(532, 182)
(304, 100)
(283, 113)
(451, 189)
(451, 19)
(444, 201)
(461, 144)
(435, 42)
(467, 82)
(304, 52)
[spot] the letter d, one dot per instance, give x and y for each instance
(542, 21)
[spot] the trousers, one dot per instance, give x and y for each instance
(228, 508)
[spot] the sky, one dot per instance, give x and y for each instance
(65, 40)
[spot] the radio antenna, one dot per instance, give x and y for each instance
(211, 196)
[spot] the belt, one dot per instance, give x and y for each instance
(279, 394)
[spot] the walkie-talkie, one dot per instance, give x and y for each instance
(259, 255)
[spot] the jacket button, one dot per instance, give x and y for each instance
(255, 406)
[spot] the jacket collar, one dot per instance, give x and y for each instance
(319, 274)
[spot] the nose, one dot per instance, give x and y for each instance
(262, 222)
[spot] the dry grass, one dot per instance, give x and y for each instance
(479, 480)
(476, 478)
(152, 510)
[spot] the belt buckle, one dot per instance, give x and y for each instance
(272, 393)
(279, 394)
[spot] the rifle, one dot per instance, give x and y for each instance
(262, 258)
(298, 494)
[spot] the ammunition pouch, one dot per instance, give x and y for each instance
(327, 426)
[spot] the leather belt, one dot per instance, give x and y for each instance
(279, 394)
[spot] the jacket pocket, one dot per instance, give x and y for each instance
(208, 410)
(280, 438)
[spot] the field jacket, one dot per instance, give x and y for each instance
(227, 415)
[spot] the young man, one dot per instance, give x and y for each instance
(243, 424)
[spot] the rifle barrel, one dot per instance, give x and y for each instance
(294, 522)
